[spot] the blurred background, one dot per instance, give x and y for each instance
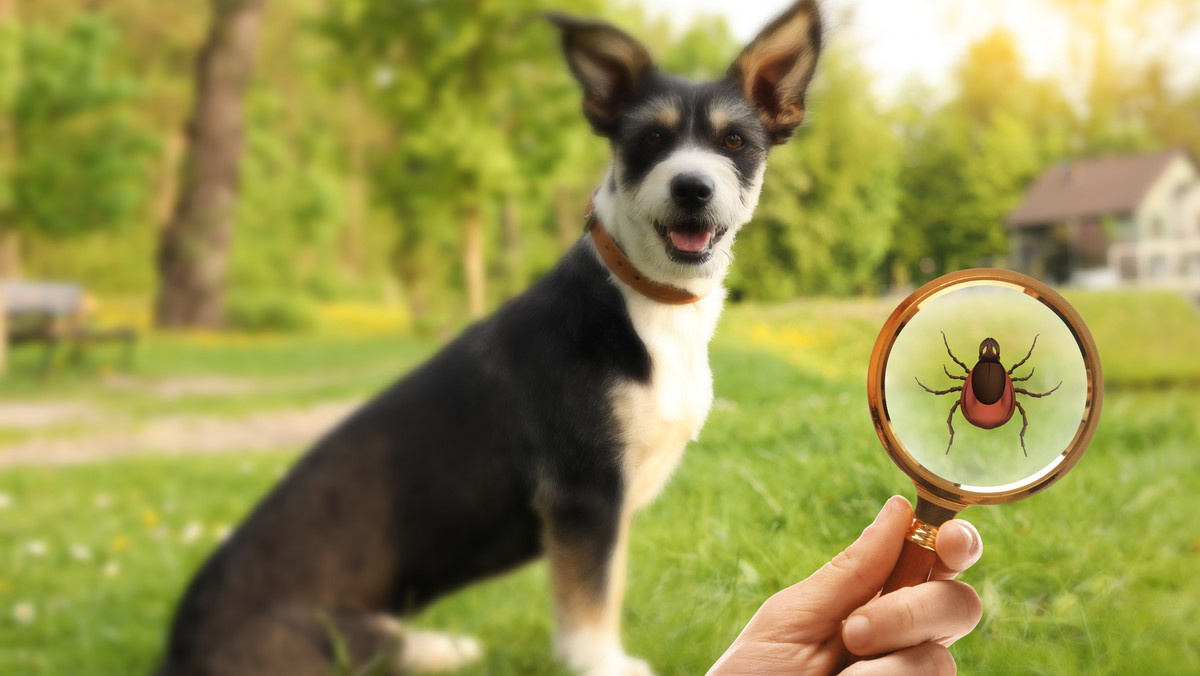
(224, 224)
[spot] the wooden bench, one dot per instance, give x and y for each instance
(56, 314)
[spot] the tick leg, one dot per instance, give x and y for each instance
(1035, 394)
(952, 376)
(956, 361)
(1014, 366)
(1017, 380)
(1024, 424)
(952, 389)
(949, 418)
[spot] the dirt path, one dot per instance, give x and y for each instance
(285, 429)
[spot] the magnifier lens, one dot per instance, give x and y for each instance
(1013, 385)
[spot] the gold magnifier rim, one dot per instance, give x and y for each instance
(930, 485)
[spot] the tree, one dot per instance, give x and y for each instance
(968, 161)
(10, 54)
(194, 247)
(78, 163)
(487, 136)
(1121, 52)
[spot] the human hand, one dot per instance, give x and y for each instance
(836, 615)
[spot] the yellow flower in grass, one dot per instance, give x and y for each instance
(150, 518)
(120, 543)
(191, 532)
(364, 319)
(24, 612)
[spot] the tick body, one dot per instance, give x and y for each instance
(987, 394)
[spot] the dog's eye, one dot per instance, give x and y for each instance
(652, 139)
(733, 141)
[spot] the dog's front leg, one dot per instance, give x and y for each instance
(586, 542)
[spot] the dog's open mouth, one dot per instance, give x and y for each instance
(689, 241)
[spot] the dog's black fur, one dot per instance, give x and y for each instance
(402, 504)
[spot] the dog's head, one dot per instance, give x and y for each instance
(688, 157)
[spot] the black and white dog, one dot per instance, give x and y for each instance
(542, 429)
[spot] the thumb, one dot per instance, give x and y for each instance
(857, 574)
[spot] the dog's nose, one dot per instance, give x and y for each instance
(691, 191)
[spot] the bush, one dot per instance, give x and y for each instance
(269, 312)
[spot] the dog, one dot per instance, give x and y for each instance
(540, 430)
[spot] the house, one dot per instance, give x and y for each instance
(1112, 221)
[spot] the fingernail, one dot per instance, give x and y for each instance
(891, 504)
(976, 546)
(857, 631)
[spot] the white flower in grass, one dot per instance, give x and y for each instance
(102, 500)
(81, 553)
(35, 548)
(221, 532)
(24, 612)
(111, 569)
(5, 501)
(191, 532)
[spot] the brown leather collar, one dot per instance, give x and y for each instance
(623, 268)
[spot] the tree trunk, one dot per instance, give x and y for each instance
(3, 332)
(167, 192)
(194, 247)
(10, 74)
(473, 263)
(10, 58)
(10, 252)
(512, 246)
(473, 260)
(356, 190)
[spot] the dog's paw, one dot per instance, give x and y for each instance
(620, 665)
(432, 652)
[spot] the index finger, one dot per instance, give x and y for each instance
(851, 579)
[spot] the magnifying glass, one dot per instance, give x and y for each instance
(985, 388)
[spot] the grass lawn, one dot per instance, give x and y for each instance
(1100, 575)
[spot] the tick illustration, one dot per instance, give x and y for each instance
(988, 395)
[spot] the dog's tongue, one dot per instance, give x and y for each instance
(690, 241)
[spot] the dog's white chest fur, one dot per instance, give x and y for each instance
(659, 419)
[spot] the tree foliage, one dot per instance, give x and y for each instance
(377, 130)
(485, 122)
(967, 162)
(81, 165)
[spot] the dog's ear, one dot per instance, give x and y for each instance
(608, 63)
(774, 70)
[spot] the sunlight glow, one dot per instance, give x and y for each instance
(903, 41)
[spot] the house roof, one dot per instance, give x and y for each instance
(1094, 187)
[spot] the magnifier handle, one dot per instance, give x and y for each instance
(917, 557)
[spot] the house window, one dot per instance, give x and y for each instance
(1127, 267)
(1158, 267)
(1191, 266)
